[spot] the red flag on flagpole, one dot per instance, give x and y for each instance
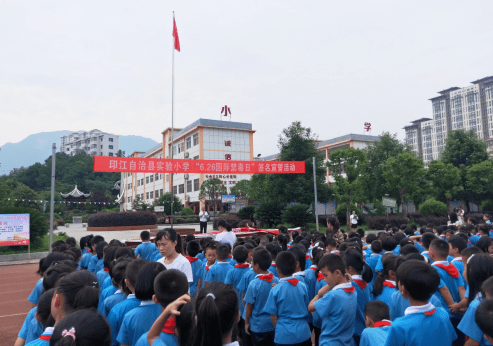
(175, 35)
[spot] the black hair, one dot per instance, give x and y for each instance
(484, 243)
(298, 239)
(222, 251)
(223, 223)
(469, 251)
(100, 249)
(453, 217)
(125, 252)
(110, 256)
(170, 285)
(388, 262)
(389, 244)
(426, 239)
(53, 258)
(377, 310)
(300, 255)
(294, 234)
(145, 235)
(217, 312)
(144, 287)
(189, 237)
(332, 262)
(90, 329)
(96, 239)
(282, 239)
(118, 273)
(419, 279)
(354, 258)
(54, 273)
(185, 324)
(282, 229)
(263, 258)
(79, 289)
(306, 244)
(484, 229)
(70, 241)
(83, 242)
(440, 248)
(343, 246)
(407, 249)
(361, 232)
(479, 268)
(458, 242)
(487, 287)
(57, 243)
(274, 249)
(77, 253)
(41, 267)
(44, 308)
(240, 254)
(334, 222)
(376, 246)
(399, 236)
(193, 248)
(409, 231)
(370, 238)
(133, 269)
(286, 263)
(405, 242)
(170, 234)
(484, 317)
(115, 242)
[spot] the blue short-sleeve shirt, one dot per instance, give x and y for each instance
(469, 326)
(233, 278)
(116, 315)
(398, 304)
(374, 336)
(164, 338)
(363, 295)
(257, 294)
(197, 267)
(27, 321)
(146, 251)
(92, 263)
(218, 272)
(111, 301)
(37, 292)
(137, 322)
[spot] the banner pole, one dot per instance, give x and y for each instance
(52, 203)
(172, 116)
(315, 188)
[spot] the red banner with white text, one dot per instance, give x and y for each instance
(145, 165)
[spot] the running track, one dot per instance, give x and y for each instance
(16, 283)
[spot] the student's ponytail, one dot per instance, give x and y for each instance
(354, 259)
(367, 273)
(282, 239)
(217, 312)
(388, 265)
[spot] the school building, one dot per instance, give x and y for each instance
(204, 139)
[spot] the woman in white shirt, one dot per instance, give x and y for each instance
(169, 244)
(354, 220)
(226, 235)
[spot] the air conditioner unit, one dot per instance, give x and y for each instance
(187, 154)
(187, 198)
(186, 175)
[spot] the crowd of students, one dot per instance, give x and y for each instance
(403, 286)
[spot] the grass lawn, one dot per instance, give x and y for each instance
(38, 245)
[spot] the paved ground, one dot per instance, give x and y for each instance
(16, 283)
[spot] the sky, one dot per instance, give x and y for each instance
(83, 65)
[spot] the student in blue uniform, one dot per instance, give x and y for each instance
(193, 249)
(311, 273)
(423, 323)
(219, 271)
(426, 240)
(43, 316)
(361, 275)
(147, 249)
(388, 245)
(308, 259)
(91, 264)
(140, 319)
(234, 276)
(299, 251)
(209, 261)
(398, 304)
(117, 314)
(320, 282)
(398, 237)
(289, 316)
(274, 249)
(384, 285)
(118, 275)
(479, 269)
(109, 253)
(38, 289)
(338, 298)
(82, 327)
(484, 319)
(257, 322)
(378, 324)
(453, 280)
(100, 256)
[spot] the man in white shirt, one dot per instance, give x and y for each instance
(203, 215)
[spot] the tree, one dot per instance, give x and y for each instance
(211, 190)
(479, 179)
(120, 153)
(165, 201)
(347, 166)
(377, 153)
(270, 213)
(464, 149)
(444, 178)
(241, 189)
(299, 215)
(137, 204)
(404, 172)
(259, 189)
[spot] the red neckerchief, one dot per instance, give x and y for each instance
(267, 277)
(207, 267)
(293, 282)
(273, 265)
(349, 290)
(230, 256)
(431, 312)
(450, 269)
(243, 265)
(381, 324)
(88, 251)
(192, 259)
(320, 276)
(388, 284)
(45, 337)
(169, 326)
(106, 270)
(307, 256)
(362, 284)
(335, 252)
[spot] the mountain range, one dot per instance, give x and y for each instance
(37, 148)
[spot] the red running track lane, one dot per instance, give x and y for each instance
(16, 283)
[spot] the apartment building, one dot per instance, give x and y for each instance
(94, 143)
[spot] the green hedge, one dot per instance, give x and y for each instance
(433, 207)
(122, 219)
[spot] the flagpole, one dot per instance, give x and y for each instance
(172, 117)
